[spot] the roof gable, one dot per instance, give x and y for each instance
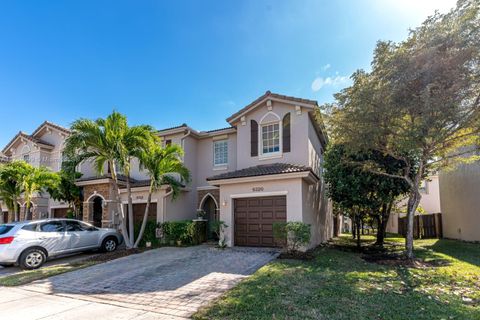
(311, 104)
(50, 125)
(23, 136)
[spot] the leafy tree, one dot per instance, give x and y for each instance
(19, 179)
(11, 184)
(162, 166)
(362, 193)
(35, 181)
(67, 190)
(420, 104)
(110, 142)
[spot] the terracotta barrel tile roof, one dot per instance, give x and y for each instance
(262, 170)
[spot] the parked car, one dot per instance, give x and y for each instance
(30, 243)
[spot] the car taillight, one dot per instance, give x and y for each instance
(6, 240)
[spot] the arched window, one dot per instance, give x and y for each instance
(270, 134)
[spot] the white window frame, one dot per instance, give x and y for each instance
(223, 164)
(262, 124)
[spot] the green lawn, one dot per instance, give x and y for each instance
(339, 284)
(28, 276)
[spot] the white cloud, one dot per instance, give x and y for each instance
(321, 82)
(326, 67)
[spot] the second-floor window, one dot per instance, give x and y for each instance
(270, 138)
(220, 152)
(26, 158)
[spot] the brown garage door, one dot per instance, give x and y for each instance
(254, 218)
(60, 212)
(139, 211)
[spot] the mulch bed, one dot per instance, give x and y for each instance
(107, 256)
(298, 255)
(390, 255)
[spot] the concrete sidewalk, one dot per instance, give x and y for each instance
(21, 304)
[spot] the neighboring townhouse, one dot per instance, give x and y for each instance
(429, 203)
(460, 200)
(265, 167)
(41, 148)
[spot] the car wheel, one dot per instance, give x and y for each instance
(109, 244)
(32, 259)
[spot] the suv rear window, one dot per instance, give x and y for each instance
(4, 228)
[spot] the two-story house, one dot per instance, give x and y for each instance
(265, 167)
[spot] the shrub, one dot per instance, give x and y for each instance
(70, 214)
(293, 235)
(189, 232)
(149, 235)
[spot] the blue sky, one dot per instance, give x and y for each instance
(168, 62)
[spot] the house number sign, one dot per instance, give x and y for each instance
(257, 189)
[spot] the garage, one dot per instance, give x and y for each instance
(59, 212)
(254, 218)
(139, 211)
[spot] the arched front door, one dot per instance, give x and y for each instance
(210, 207)
(97, 211)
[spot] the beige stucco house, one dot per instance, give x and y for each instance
(460, 200)
(266, 166)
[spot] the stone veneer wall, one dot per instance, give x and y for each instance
(104, 190)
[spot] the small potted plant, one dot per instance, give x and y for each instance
(201, 214)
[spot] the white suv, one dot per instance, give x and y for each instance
(30, 243)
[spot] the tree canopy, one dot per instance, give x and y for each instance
(420, 104)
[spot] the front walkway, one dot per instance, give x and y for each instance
(170, 283)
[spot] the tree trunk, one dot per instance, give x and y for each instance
(413, 201)
(15, 209)
(382, 221)
(130, 209)
(358, 223)
(361, 225)
(145, 217)
(124, 230)
(354, 227)
(27, 215)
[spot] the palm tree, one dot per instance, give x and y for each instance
(164, 166)
(110, 142)
(11, 184)
(34, 181)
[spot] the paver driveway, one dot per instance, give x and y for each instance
(171, 282)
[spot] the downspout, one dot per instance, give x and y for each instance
(164, 204)
(182, 142)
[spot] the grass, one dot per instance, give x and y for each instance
(28, 276)
(339, 284)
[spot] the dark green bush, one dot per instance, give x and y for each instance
(292, 234)
(188, 232)
(149, 235)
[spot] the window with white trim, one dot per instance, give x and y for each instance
(220, 152)
(271, 138)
